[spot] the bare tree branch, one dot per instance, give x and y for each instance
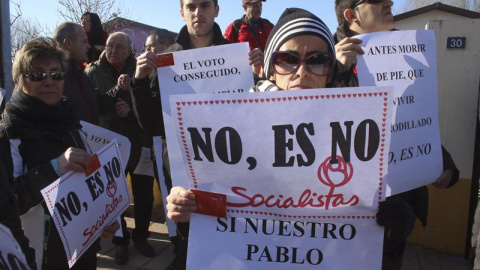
(25, 29)
(72, 10)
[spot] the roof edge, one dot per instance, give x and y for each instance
(438, 6)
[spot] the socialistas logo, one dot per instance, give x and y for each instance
(332, 176)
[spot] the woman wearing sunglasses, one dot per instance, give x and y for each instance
(40, 140)
(300, 55)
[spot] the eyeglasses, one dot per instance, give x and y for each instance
(118, 47)
(319, 63)
(150, 46)
(41, 76)
(373, 2)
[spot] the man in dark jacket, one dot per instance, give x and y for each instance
(251, 27)
(111, 76)
(200, 31)
(357, 17)
(366, 16)
(71, 37)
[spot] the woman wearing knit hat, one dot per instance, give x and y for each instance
(299, 54)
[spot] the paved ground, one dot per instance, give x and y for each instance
(416, 257)
(158, 239)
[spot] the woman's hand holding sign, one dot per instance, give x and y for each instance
(180, 203)
(74, 159)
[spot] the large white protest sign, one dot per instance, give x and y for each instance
(288, 154)
(302, 171)
(11, 255)
(98, 137)
(82, 205)
(247, 243)
(218, 69)
(408, 61)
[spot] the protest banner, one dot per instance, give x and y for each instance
(11, 255)
(98, 137)
(407, 60)
(82, 205)
(289, 162)
(195, 71)
(249, 243)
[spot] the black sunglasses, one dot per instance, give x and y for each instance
(373, 2)
(41, 76)
(319, 63)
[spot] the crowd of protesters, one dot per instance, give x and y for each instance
(83, 73)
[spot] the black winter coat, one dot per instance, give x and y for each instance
(43, 133)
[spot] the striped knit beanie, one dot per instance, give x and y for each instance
(294, 22)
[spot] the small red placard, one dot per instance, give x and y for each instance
(209, 203)
(94, 165)
(165, 60)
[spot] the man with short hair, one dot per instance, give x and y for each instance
(200, 31)
(357, 17)
(111, 75)
(366, 16)
(158, 41)
(72, 38)
(251, 27)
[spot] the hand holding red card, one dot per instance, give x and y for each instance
(209, 203)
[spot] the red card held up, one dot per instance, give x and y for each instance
(209, 203)
(94, 165)
(165, 60)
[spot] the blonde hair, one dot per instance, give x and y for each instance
(38, 50)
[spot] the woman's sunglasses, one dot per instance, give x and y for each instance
(320, 63)
(41, 76)
(373, 2)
